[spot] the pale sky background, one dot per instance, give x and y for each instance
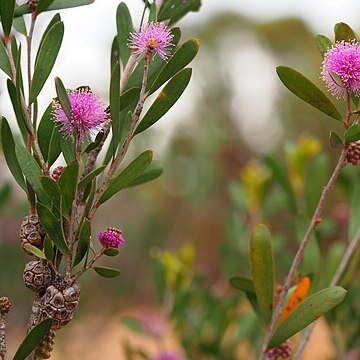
(89, 30)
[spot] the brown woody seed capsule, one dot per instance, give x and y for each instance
(60, 305)
(353, 152)
(32, 231)
(46, 346)
(5, 305)
(37, 276)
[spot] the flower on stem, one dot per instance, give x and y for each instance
(154, 36)
(88, 113)
(341, 69)
(282, 351)
(111, 238)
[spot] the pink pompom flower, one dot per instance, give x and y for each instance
(88, 113)
(154, 36)
(341, 69)
(168, 356)
(111, 238)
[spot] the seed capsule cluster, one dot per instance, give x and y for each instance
(45, 348)
(32, 231)
(5, 305)
(37, 276)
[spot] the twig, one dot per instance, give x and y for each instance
(120, 155)
(128, 71)
(350, 250)
(3, 346)
(88, 266)
(298, 257)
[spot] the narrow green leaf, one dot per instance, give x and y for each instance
(35, 251)
(63, 97)
(90, 199)
(353, 133)
(48, 248)
(5, 193)
(262, 269)
(300, 86)
(89, 177)
(8, 146)
(354, 221)
(46, 57)
(165, 100)
(114, 94)
(4, 60)
(46, 127)
(333, 258)
(20, 118)
(83, 241)
(19, 25)
(128, 97)
(43, 5)
(67, 183)
(175, 9)
(53, 227)
(335, 140)
(32, 339)
(67, 148)
(107, 272)
(152, 13)
(124, 28)
(7, 8)
(242, 284)
(136, 168)
(111, 252)
(32, 172)
(154, 170)
(93, 145)
(52, 190)
(182, 57)
(115, 54)
(323, 43)
(307, 312)
(344, 32)
(56, 5)
(133, 324)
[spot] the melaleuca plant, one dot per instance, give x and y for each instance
(60, 161)
(315, 289)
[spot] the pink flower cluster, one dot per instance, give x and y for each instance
(341, 69)
(111, 238)
(152, 37)
(88, 113)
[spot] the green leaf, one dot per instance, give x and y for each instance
(280, 175)
(63, 97)
(115, 54)
(300, 86)
(176, 9)
(5, 193)
(152, 13)
(344, 32)
(8, 146)
(56, 5)
(323, 43)
(242, 284)
(43, 5)
(111, 252)
(48, 248)
(114, 95)
(67, 183)
(4, 60)
(32, 172)
(262, 269)
(35, 251)
(182, 57)
(154, 170)
(89, 177)
(93, 145)
(52, 190)
(128, 97)
(354, 221)
(32, 339)
(46, 58)
(19, 114)
(7, 8)
(83, 241)
(353, 133)
(107, 272)
(67, 148)
(53, 227)
(333, 259)
(133, 324)
(124, 28)
(136, 168)
(335, 140)
(165, 100)
(19, 25)
(307, 312)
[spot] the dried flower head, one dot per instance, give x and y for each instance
(152, 37)
(88, 113)
(341, 69)
(111, 238)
